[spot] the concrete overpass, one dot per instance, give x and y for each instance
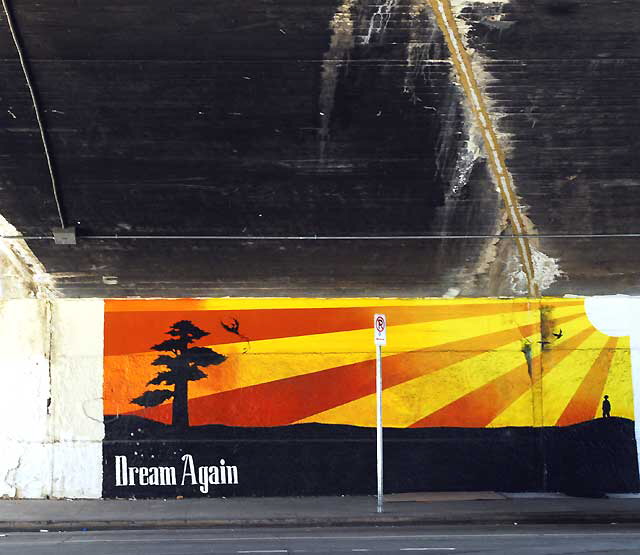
(192, 144)
(467, 166)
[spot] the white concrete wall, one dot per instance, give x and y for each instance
(51, 400)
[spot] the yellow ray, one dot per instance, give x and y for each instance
(401, 338)
(560, 311)
(406, 403)
(253, 303)
(456, 329)
(266, 361)
(560, 385)
(266, 303)
(275, 359)
(618, 385)
(520, 412)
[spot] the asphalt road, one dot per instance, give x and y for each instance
(560, 540)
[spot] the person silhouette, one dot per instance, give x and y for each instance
(606, 407)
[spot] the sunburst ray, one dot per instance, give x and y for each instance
(279, 359)
(586, 399)
(619, 386)
(517, 408)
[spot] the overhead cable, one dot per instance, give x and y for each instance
(327, 237)
(36, 108)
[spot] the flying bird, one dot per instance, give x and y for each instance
(233, 328)
(558, 335)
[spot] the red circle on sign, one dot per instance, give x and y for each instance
(380, 324)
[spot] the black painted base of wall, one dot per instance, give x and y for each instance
(316, 459)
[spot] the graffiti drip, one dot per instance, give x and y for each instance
(380, 21)
(341, 44)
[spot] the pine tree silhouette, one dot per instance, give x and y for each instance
(184, 365)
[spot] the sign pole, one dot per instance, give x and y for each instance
(379, 424)
(379, 339)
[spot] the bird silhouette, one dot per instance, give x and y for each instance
(233, 328)
(558, 335)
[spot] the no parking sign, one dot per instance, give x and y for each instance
(379, 329)
(380, 339)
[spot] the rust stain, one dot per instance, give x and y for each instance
(495, 154)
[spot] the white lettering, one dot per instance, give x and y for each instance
(166, 475)
(121, 470)
(232, 474)
(214, 477)
(188, 470)
(203, 478)
(223, 476)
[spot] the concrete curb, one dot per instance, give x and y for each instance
(317, 522)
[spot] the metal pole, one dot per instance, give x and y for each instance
(379, 424)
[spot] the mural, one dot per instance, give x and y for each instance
(277, 397)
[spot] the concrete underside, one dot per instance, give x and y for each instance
(323, 118)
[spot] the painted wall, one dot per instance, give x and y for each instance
(479, 394)
(282, 390)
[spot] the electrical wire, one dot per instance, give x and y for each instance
(36, 108)
(325, 237)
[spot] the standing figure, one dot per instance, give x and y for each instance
(606, 407)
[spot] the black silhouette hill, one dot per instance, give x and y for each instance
(586, 459)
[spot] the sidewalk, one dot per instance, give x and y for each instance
(405, 509)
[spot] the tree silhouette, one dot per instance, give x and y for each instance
(184, 365)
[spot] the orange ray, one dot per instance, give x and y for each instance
(136, 332)
(584, 404)
(285, 401)
(288, 400)
(478, 408)
(265, 303)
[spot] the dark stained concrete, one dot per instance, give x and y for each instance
(565, 87)
(274, 118)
